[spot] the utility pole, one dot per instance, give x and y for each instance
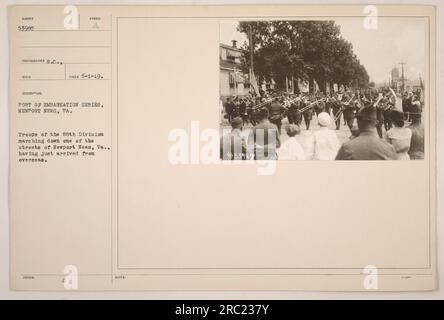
(250, 34)
(402, 76)
(253, 82)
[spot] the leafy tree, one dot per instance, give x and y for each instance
(307, 50)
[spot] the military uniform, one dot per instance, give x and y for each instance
(406, 107)
(380, 120)
(319, 107)
(368, 145)
(416, 151)
(232, 110)
(243, 111)
(308, 115)
(328, 105)
(290, 112)
(387, 113)
(250, 114)
(336, 107)
(349, 114)
(229, 110)
(276, 113)
(294, 116)
(298, 114)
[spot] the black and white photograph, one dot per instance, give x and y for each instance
(342, 89)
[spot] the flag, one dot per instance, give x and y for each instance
(421, 98)
(253, 82)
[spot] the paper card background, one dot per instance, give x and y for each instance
(191, 295)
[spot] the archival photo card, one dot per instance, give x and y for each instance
(152, 148)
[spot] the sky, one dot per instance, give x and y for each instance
(395, 40)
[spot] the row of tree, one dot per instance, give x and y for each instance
(306, 50)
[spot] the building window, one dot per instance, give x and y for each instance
(230, 57)
(223, 54)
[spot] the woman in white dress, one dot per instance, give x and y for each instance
(291, 149)
(325, 143)
(399, 136)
